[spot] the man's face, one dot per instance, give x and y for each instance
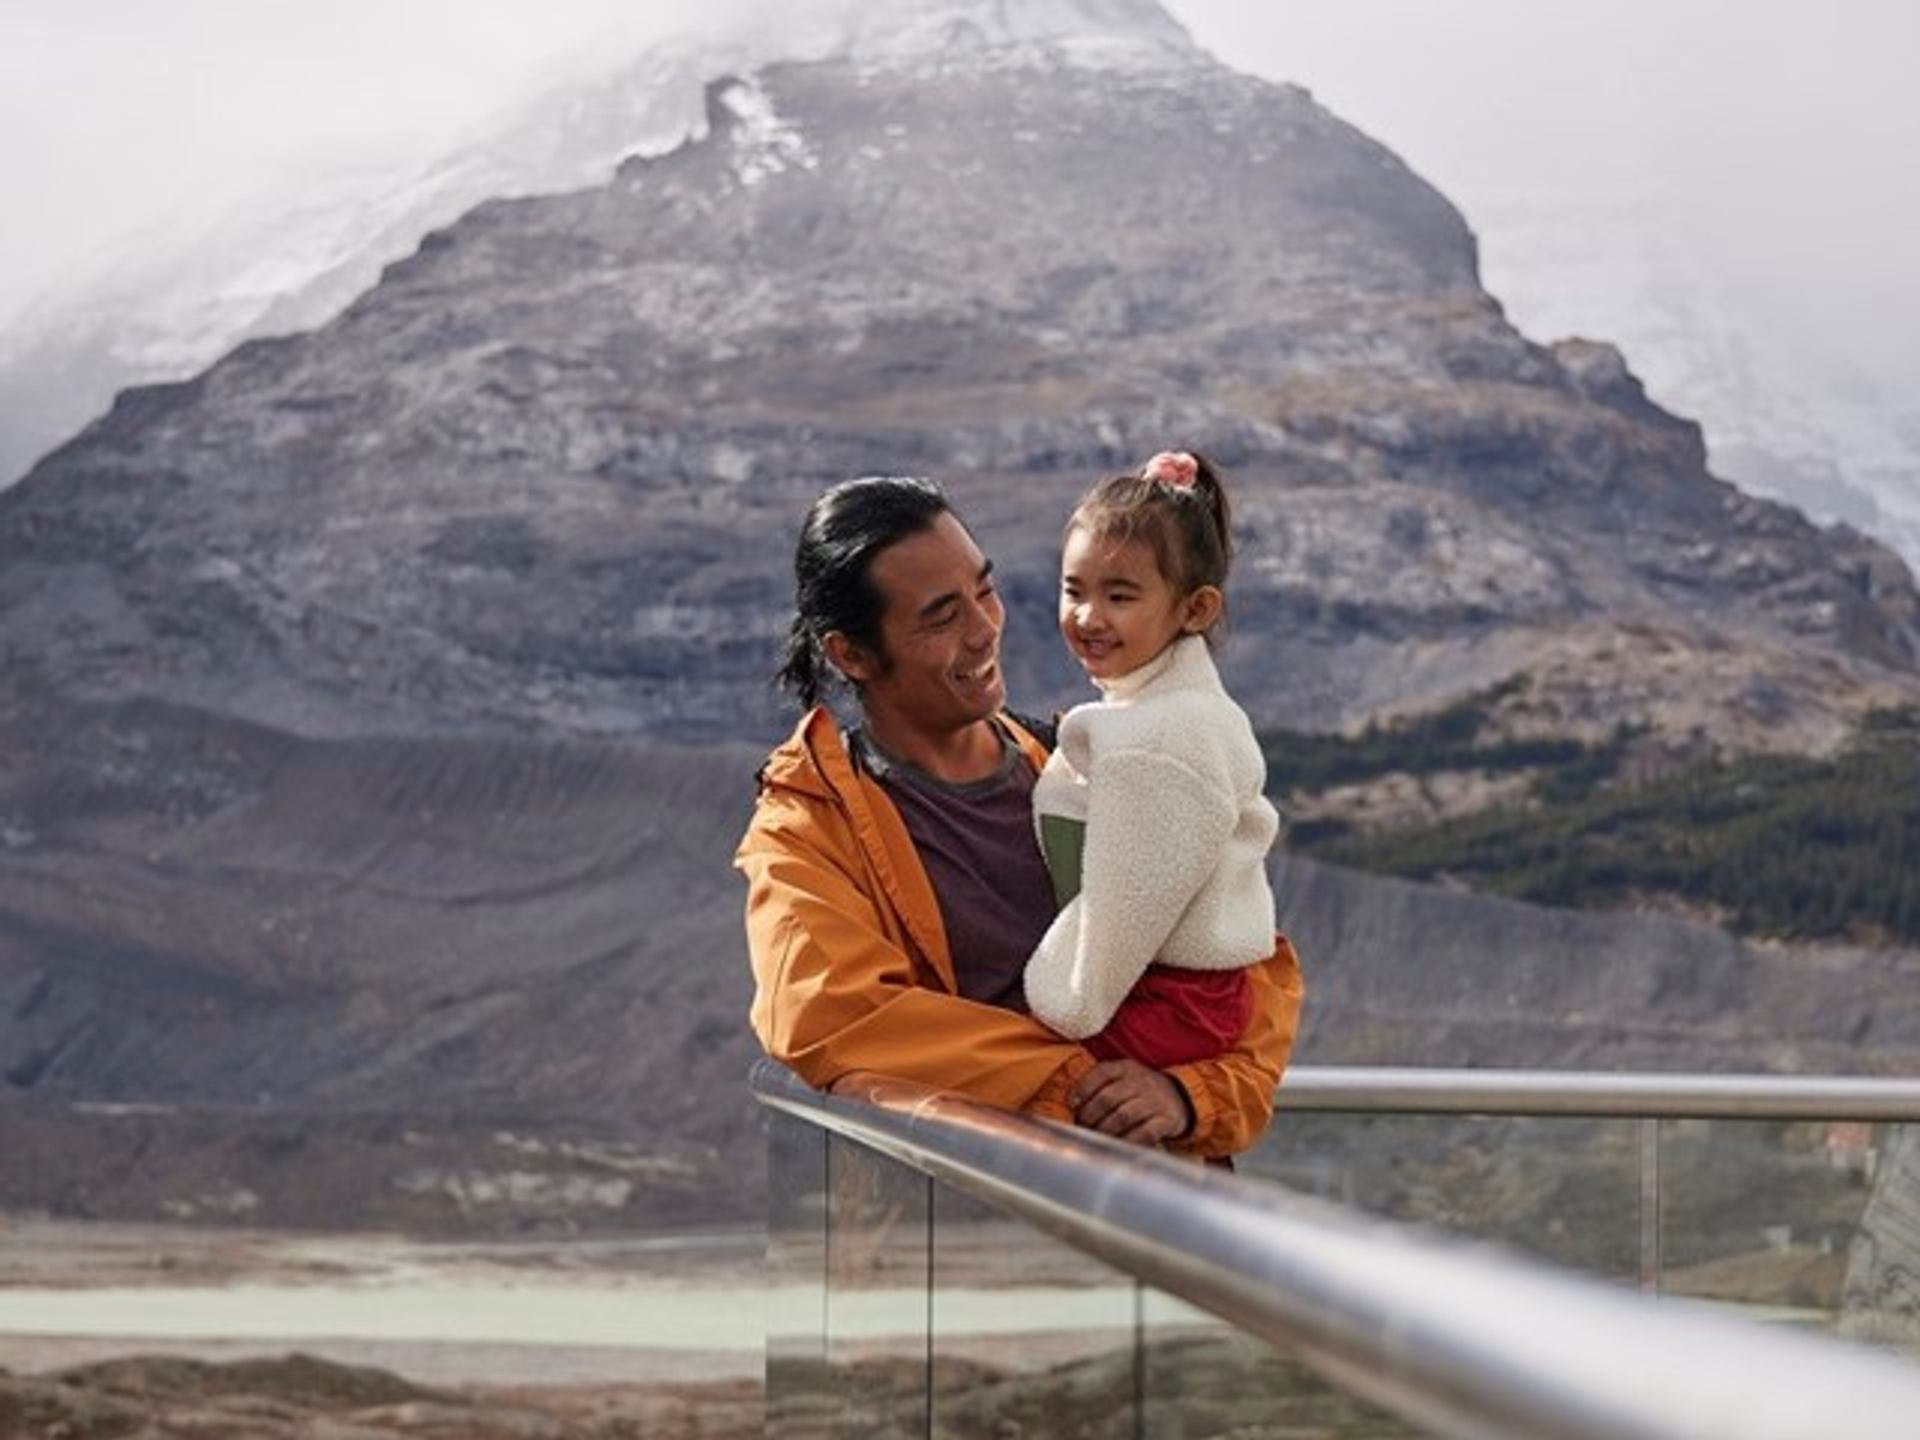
(938, 670)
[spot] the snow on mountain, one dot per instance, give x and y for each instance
(764, 144)
(304, 246)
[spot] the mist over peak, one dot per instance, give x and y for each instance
(935, 26)
(300, 249)
(911, 29)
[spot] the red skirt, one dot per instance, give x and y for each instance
(1174, 1017)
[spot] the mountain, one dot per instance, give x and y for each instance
(541, 475)
(383, 700)
(1790, 410)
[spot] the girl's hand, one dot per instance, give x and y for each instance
(1130, 1101)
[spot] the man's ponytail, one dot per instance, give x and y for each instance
(800, 674)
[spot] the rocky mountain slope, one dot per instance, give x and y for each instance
(544, 473)
(488, 988)
(229, 957)
(382, 702)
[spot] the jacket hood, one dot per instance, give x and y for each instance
(814, 760)
(804, 759)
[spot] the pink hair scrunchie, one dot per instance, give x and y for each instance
(1172, 467)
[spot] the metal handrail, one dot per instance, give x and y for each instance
(1460, 1338)
(1643, 1095)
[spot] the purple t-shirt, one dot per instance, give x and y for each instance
(976, 841)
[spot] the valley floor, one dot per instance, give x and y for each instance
(100, 1323)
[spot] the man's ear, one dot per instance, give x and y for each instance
(852, 659)
(1202, 609)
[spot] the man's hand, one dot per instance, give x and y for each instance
(1131, 1101)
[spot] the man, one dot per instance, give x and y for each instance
(894, 887)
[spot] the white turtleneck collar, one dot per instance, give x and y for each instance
(1184, 662)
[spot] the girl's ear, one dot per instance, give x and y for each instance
(1200, 610)
(847, 655)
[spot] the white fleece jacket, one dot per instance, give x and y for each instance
(1166, 777)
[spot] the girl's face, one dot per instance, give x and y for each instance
(1117, 611)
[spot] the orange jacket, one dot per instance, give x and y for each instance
(852, 971)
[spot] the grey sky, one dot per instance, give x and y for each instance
(1778, 134)
(1775, 137)
(119, 117)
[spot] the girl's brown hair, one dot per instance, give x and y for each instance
(1187, 524)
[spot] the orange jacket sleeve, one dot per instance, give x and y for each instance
(836, 991)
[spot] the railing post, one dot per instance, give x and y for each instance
(1651, 1261)
(799, 1400)
(1139, 1361)
(933, 1192)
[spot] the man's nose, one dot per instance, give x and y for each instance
(982, 624)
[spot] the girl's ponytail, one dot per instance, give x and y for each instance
(1187, 477)
(1208, 485)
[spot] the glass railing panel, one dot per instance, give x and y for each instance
(1880, 1292)
(1031, 1337)
(877, 1294)
(1810, 1221)
(1204, 1380)
(1565, 1189)
(800, 1402)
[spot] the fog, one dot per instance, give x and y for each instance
(1775, 137)
(129, 122)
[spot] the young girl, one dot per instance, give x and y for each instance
(1150, 812)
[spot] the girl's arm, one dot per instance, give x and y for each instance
(1155, 826)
